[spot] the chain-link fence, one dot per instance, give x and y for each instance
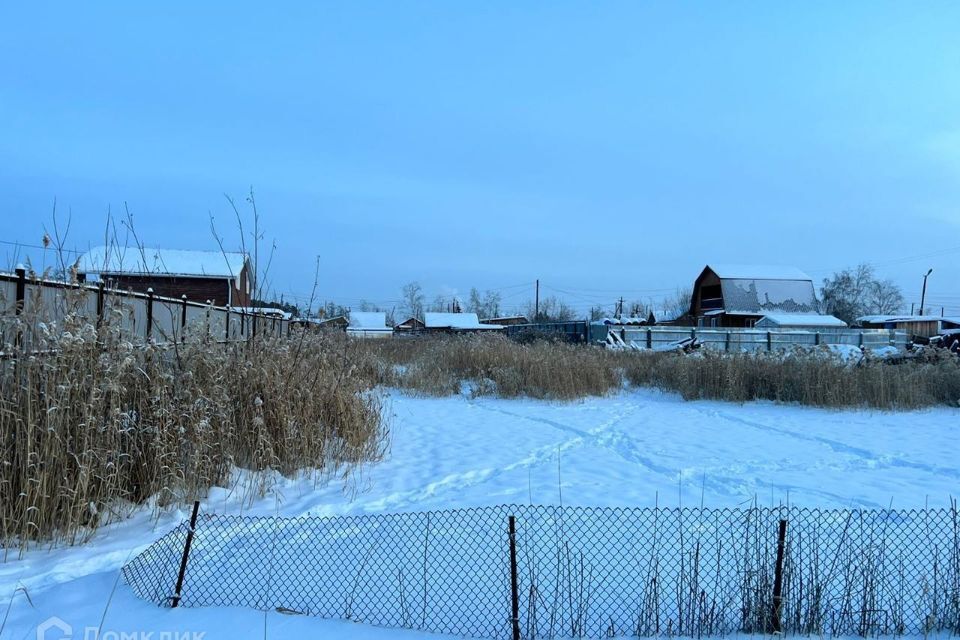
(579, 572)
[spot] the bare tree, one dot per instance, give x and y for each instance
(885, 297)
(676, 305)
(486, 305)
(852, 293)
(413, 299)
(552, 309)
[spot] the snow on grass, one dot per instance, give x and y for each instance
(631, 449)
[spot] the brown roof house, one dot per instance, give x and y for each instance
(748, 295)
(225, 278)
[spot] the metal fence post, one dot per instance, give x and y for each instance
(776, 614)
(100, 302)
(21, 288)
(816, 339)
(186, 556)
(149, 330)
(514, 586)
(226, 326)
(769, 342)
(183, 318)
(649, 338)
(726, 342)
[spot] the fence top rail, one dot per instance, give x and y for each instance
(783, 511)
(129, 293)
(755, 331)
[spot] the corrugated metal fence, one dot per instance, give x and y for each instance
(662, 337)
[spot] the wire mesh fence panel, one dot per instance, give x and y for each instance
(581, 572)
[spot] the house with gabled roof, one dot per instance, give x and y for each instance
(742, 295)
(368, 324)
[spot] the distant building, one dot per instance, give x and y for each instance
(336, 322)
(913, 325)
(741, 295)
(506, 321)
(368, 324)
(410, 324)
(799, 321)
(223, 278)
(456, 322)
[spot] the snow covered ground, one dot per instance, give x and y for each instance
(634, 449)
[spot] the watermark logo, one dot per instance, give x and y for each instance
(54, 629)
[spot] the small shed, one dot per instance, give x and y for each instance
(456, 322)
(368, 324)
(811, 321)
(925, 326)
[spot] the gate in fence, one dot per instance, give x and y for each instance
(535, 571)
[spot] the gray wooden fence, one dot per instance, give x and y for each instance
(30, 306)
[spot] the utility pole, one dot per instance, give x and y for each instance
(923, 296)
(620, 308)
(536, 304)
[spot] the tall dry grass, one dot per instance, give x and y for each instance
(491, 365)
(97, 423)
(815, 379)
(495, 365)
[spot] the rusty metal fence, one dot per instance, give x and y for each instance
(545, 572)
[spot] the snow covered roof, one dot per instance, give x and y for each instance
(756, 297)
(756, 289)
(907, 318)
(456, 321)
(801, 320)
(131, 261)
(625, 320)
(265, 311)
(757, 272)
(369, 320)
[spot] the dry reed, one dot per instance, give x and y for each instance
(96, 424)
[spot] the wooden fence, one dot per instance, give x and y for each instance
(29, 306)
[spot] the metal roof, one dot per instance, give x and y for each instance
(134, 261)
(757, 272)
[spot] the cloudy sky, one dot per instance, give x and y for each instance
(605, 148)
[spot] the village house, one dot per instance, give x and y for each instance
(368, 324)
(411, 324)
(224, 278)
(456, 323)
(743, 295)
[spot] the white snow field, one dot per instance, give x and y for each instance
(636, 448)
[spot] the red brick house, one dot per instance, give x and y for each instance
(225, 278)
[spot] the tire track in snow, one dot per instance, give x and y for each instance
(841, 447)
(630, 450)
(468, 479)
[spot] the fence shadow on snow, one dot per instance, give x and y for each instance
(578, 572)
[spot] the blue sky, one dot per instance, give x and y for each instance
(605, 148)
